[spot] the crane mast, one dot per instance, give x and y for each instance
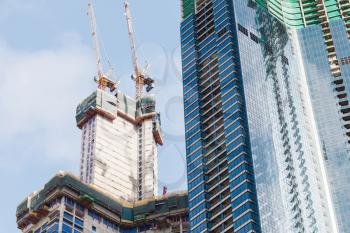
(102, 79)
(140, 77)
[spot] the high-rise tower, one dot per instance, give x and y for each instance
(254, 157)
(330, 101)
(299, 14)
(119, 144)
(119, 135)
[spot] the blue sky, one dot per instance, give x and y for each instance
(46, 68)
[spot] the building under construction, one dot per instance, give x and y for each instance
(66, 204)
(118, 186)
(120, 134)
(119, 144)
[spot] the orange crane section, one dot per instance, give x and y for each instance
(102, 78)
(140, 77)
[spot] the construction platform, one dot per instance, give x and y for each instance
(67, 203)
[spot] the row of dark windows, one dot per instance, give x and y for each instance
(269, 49)
(245, 31)
(345, 60)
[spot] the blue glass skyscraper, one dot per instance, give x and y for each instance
(330, 101)
(254, 156)
(216, 120)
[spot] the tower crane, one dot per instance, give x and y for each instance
(102, 78)
(140, 77)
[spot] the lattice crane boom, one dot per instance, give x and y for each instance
(91, 14)
(132, 40)
(140, 77)
(102, 78)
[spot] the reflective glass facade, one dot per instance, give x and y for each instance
(222, 192)
(303, 13)
(298, 13)
(254, 160)
(330, 103)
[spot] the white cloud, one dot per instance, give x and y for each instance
(39, 91)
(7, 7)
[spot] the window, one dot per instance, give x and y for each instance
(53, 228)
(78, 228)
(93, 228)
(69, 201)
(79, 222)
(345, 60)
(68, 216)
(243, 29)
(254, 38)
(222, 32)
(66, 228)
(54, 202)
(94, 215)
(79, 207)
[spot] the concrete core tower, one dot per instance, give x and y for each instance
(119, 144)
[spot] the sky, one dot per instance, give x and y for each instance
(47, 67)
